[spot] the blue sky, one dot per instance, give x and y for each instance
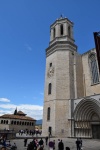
(24, 36)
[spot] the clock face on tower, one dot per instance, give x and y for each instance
(50, 72)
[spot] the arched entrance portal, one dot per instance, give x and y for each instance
(87, 119)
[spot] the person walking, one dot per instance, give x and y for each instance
(41, 143)
(58, 143)
(46, 140)
(25, 142)
(54, 144)
(61, 145)
(51, 145)
(78, 144)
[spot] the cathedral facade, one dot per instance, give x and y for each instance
(72, 86)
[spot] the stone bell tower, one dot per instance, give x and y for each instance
(59, 79)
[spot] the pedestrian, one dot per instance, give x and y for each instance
(51, 145)
(33, 144)
(54, 145)
(78, 144)
(58, 143)
(14, 147)
(25, 142)
(61, 145)
(49, 134)
(30, 146)
(37, 143)
(41, 143)
(8, 144)
(46, 140)
(4, 141)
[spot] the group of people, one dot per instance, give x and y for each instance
(38, 144)
(30, 132)
(51, 144)
(34, 144)
(6, 144)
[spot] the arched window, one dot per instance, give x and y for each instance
(61, 29)
(6, 121)
(49, 88)
(69, 31)
(17, 122)
(50, 64)
(48, 113)
(54, 32)
(93, 68)
(12, 122)
(1, 121)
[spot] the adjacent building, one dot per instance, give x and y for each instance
(17, 121)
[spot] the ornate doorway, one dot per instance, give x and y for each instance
(87, 119)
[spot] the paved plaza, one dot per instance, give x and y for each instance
(88, 144)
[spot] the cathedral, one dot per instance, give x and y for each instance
(72, 86)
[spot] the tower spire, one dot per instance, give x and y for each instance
(15, 112)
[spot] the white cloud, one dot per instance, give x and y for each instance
(34, 111)
(4, 100)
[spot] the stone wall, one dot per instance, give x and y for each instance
(79, 76)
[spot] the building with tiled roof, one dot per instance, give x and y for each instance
(17, 121)
(21, 113)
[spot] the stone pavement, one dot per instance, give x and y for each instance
(88, 144)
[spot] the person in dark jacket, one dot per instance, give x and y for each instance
(78, 144)
(61, 145)
(46, 140)
(41, 143)
(25, 142)
(32, 145)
